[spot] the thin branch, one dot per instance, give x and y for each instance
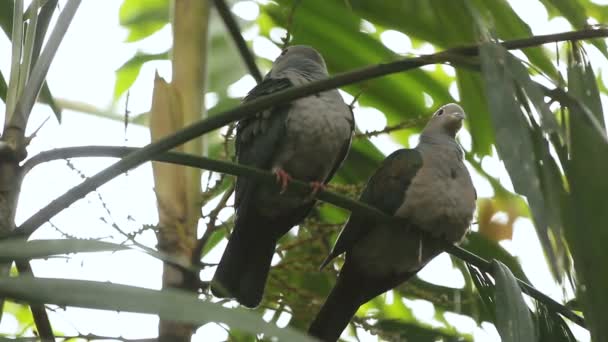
(299, 186)
(237, 37)
(287, 39)
(201, 127)
(411, 123)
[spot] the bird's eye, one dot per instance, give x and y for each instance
(440, 112)
(284, 52)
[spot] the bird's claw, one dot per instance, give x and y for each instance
(283, 178)
(316, 187)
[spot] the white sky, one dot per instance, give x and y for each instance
(83, 71)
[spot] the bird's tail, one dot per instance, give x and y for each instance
(339, 307)
(243, 269)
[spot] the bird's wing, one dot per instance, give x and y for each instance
(344, 150)
(258, 136)
(385, 190)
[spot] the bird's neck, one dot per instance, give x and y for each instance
(443, 140)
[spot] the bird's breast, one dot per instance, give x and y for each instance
(441, 198)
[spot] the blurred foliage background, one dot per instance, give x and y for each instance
(538, 110)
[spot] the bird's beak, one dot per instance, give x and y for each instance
(459, 115)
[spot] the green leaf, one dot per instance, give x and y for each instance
(551, 326)
(449, 23)
(128, 72)
(143, 17)
(513, 134)
(171, 305)
(587, 215)
(214, 239)
(486, 290)
(6, 22)
(575, 13)
(334, 30)
(18, 249)
(474, 101)
(39, 71)
(513, 320)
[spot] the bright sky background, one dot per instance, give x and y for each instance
(83, 71)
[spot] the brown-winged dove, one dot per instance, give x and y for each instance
(430, 187)
(306, 139)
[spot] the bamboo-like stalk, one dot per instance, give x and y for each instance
(177, 188)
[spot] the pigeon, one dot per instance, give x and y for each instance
(431, 189)
(307, 139)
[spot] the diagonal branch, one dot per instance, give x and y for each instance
(237, 37)
(204, 126)
(296, 185)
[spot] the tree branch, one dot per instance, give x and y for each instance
(237, 37)
(179, 137)
(298, 186)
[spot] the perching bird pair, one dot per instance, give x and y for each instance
(308, 139)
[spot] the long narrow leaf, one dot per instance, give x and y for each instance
(587, 215)
(17, 38)
(172, 305)
(513, 320)
(34, 84)
(19, 249)
(513, 135)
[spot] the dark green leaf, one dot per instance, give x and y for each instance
(449, 23)
(551, 326)
(513, 134)
(587, 215)
(172, 305)
(485, 289)
(39, 71)
(513, 319)
(334, 30)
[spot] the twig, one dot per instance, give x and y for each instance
(267, 177)
(287, 39)
(211, 226)
(237, 37)
(388, 129)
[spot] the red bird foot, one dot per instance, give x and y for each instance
(283, 178)
(316, 187)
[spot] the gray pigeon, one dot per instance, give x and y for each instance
(430, 187)
(307, 139)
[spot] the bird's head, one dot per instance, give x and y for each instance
(447, 120)
(302, 58)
